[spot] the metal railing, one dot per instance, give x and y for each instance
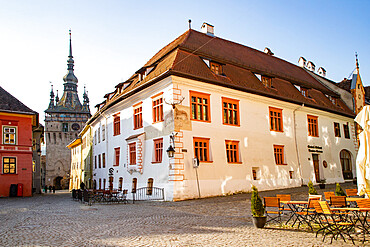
(148, 194)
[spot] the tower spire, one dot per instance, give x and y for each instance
(357, 65)
(70, 77)
(51, 104)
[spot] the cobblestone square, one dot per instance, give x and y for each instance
(57, 220)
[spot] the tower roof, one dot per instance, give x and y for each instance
(69, 102)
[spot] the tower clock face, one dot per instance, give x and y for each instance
(75, 126)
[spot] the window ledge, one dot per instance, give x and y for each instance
(281, 164)
(205, 162)
(237, 163)
(156, 162)
(235, 125)
(200, 120)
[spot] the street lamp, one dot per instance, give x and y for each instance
(171, 149)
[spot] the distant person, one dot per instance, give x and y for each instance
(54, 189)
(82, 185)
(45, 189)
(50, 188)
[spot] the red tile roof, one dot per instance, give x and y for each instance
(183, 57)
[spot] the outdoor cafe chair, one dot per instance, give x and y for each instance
(286, 210)
(351, 192)
(338, 201)
(335, 224)
(328, 194)
(273, 209)
(307, 215)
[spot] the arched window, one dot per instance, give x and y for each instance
(346, 162)
(149, 190)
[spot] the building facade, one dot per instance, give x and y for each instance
(81, 160)
(234, 116)
(64, 118)
(17, 122)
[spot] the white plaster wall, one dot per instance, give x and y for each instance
(158, 171)
(256, 144)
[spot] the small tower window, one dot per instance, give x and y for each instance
(65, 127)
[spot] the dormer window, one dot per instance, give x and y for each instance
(266, 81)
(304, 92)
(216, 68)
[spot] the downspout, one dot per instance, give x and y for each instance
(106, 138)
(295, 141)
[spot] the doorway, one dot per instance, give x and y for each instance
(316, 168)
(57, 183)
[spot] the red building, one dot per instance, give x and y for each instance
(16, 121)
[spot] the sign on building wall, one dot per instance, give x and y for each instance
(182, 118)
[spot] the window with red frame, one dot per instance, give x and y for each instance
(232, 151)
(201, 148)
(138, 116)
(276, 119)
(279, 154)
(158, 110)
(230, 111)
(200, 106)
(313, 129)
(117, 154)
(132, 152)
(116, 125)
(158, 150)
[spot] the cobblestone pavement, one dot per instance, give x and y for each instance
(57, 220)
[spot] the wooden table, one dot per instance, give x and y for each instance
(359, 215)
(296, 208)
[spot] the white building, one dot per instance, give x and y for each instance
(249, 118)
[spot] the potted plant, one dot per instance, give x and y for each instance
(258, 210)
(311, 189)
(339, 191)
(322, 183)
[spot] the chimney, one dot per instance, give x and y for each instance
(302, 62)
(207, 29)
(321, 71)
(268, 51)
(311, 66)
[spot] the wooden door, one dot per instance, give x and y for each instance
(315, 158)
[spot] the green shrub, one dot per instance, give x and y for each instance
(257, 207)
(311, 189)
(339, 191)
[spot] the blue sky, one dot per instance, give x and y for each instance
(113, 39)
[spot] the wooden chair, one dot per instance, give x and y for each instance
(338, 201)
(365, 203)
(315, 196)
(328, 194)
(351, 192)
(286, 210)
(308, 214)
(335, 225)
(273, 209)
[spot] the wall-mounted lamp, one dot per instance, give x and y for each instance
(171, 149)
(38, 152)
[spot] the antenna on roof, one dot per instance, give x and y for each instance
(189, 23)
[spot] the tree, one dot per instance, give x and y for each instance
(258, 210)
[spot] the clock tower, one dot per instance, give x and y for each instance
(64, 119)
